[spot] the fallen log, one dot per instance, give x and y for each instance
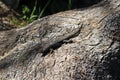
(79, 44)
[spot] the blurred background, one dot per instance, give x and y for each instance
(24, 12)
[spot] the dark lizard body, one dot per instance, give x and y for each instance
(24, 49)
(60, 41)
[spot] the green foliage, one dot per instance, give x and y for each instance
(69, 4)
(25, 11)
(27, 15)
(43, 10)
(33, 9)
(38, 11)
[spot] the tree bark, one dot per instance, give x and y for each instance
(79, 44)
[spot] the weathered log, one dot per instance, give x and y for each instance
(79, 44)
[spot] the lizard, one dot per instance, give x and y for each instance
(43, 43)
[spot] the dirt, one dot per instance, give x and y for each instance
(9, 18)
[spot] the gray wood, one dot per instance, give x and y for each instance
(71, 45)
